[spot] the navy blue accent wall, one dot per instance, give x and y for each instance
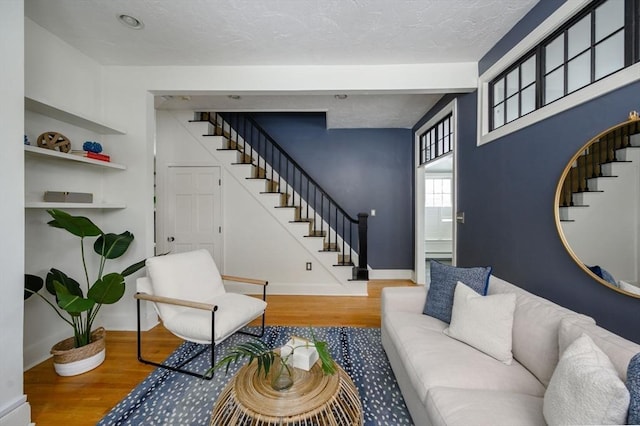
(362, 169)
(506, 189)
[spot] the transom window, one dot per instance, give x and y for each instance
(437, 140)
(594, 44)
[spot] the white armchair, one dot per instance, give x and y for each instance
(188, 294)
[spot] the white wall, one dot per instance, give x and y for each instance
(77, 87)
(13, 408)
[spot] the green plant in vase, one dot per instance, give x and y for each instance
(270, 360)
(82, 306)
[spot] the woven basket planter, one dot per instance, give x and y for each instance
(71, 361)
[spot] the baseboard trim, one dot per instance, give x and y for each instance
(38, 352)
(353, 288)
(391, 274)
(16, 413)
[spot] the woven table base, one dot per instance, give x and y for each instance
(314, 398)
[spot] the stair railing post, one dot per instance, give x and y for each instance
(361, 272)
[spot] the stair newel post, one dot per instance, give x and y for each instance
(361, 272)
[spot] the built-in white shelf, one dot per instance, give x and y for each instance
(76, 119)
(48, 205)
(71, 157)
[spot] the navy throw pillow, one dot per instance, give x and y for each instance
(604, 274)
(633, 384)
(443, 284)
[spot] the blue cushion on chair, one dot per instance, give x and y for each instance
(443, 284)
(633, 384)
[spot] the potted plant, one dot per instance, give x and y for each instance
(278, 361)
(85, 350)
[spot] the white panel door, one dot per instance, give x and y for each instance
(193, 210)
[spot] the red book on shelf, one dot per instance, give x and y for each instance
(96, 156)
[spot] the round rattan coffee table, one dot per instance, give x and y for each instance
(314, 398)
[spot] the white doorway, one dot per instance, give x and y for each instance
(193, 210)
(438, 211)
(435, 196)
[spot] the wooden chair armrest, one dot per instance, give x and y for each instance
(244, 280)
(177, 302)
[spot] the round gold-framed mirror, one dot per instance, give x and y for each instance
(597, 207)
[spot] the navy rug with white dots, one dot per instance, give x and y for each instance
(168, 398)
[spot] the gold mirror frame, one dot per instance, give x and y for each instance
(634, 119)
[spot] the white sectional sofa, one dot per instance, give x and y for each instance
(447, 382)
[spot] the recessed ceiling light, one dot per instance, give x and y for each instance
(234, 97)
(341, 97)
(130, 21)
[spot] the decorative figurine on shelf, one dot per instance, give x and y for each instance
(92, 146)
(54, 140)
(26, 140)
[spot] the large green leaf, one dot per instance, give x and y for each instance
(71, 303)
(77, 225)
(133, 268)
(112, 246)
(108, 290)
(72, 286)
(32, 284)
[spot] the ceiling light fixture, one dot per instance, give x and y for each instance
(234, 97)
(341, 97)
(130, 21)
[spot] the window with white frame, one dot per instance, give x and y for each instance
(597, 42)
(437, 140)
(437, 192)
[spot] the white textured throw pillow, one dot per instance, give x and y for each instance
(585, 388)
(484, 322)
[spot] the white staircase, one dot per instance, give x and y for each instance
(249, 176)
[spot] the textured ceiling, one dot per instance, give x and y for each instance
(285, 32)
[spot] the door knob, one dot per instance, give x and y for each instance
(171, 239)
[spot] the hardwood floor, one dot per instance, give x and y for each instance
(85, 399)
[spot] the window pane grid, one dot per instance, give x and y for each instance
(594, 44)
(437, 140)
(437, 192)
